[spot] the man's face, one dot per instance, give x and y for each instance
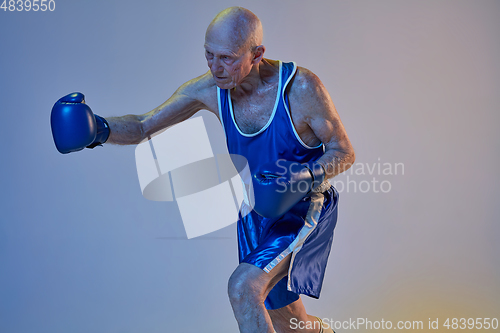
(228, 63)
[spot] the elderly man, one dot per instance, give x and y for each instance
(281, 118)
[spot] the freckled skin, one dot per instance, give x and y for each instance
(235, 58)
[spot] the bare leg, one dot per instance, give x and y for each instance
(293, 316)
(248, 288)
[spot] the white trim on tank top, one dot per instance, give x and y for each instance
(281, 93)
(270, 118)
(290, 115)
(220, 110)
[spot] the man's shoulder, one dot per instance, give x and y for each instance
(308, 93)
(305, 81)
(202, 89)
(200, 85)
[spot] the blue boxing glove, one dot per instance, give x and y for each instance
(279, 186)
(74, 126)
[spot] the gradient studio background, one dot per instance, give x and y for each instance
(414, 82)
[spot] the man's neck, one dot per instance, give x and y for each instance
(260, 76)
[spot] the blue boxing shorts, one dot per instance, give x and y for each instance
(305, 231)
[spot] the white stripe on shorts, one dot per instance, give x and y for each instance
(310, 223)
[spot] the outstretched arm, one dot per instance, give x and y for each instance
(185, 102)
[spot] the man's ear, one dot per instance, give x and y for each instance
(258, 54)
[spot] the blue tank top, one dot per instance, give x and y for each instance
(278, 139)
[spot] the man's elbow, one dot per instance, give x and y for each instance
(352, 156)
(348, 159)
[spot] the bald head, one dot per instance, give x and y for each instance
(238, 26)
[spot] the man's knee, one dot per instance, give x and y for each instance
(246, 284)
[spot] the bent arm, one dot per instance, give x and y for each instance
(184, 103)
(324, 121)
(339, 154)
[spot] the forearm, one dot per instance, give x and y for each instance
(336, 161)
(125, 130)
